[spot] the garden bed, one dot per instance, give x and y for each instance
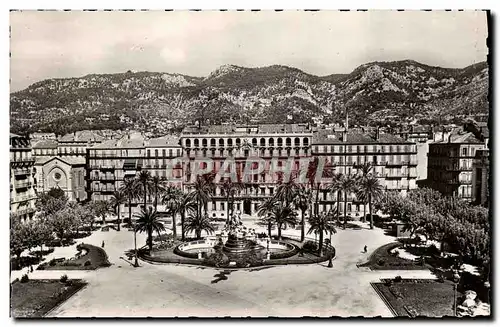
(418, 297)
(382, 259)
(35, 298)
(95, 257)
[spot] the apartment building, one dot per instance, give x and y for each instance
(450, 164)
(393, 160)
(273, 143)
(110, 162)
(22, 192)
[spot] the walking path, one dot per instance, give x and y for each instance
(177, 290)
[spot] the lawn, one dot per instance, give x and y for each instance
(418, 297)
(382, 259)
(89, 257)
(35, 298)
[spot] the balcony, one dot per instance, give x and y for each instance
(103, 178)
(393, 176)
(23, 184)
(22, 198)
(21, 172)
(25, 160)
(25, 211)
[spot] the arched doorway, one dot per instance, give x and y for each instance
(247, 207)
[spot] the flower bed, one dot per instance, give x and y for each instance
(417, 297)
(383, 259)
(90, 257)
(34, 298)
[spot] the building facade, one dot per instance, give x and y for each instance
(481, 178)
(450, 164)
(393, 161)
(22, 192)
(112, 161)
(273, 144)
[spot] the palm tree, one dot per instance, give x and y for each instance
(144, 180)
(302, 202)
(348, 186)
(319, 224)
(283, 216)
(365, 170)
(335, 189)
(149, 221)
(117, 199)
(130, 189)
(370, 190)
(264, 211)
(186, 205)
(312, 174)
(286, 191)
(172, 198)
(158, 187)
(201, 193)
(230, 188)
(198, 224)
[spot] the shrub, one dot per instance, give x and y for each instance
(52, 262)
(64, 278)
(381, 262)
(388, 282)
(309, 246)
(398, 279)
(87, 263)
(440, 279)
(433, 250)
(25, 278)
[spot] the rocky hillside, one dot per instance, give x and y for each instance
(376, 93)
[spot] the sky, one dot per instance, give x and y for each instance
(71, 44)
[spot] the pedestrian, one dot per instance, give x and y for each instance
(366, 249)
(102, 244)
(31, 268)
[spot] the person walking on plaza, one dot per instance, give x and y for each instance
(102, 244)
(366, 249)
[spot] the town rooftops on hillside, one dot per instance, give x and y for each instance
(44, 144)
(249, 129)
(459, 136)
(355, 136)
(82, 136)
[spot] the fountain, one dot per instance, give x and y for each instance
(237, 243)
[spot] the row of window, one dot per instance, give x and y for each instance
(263, 142)
(364, 148)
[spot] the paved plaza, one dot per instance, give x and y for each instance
(175, 290)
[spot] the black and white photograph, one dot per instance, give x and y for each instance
(250, 163)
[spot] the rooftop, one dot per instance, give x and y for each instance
(82, 136)
(44, 144)
(355, 136)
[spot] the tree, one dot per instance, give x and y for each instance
(365, 170)
(264, 211)
(186, 205)
(39, 233)
(148, 221)
(144, 180)
(198, 224)
(172, 198)
(335, 189)
(302, 202)
(17, 236)
(311, 175)
(102, 208)
(201, 193)
(158, 187)
(320, 224)
(369, 190)
(62, 222)
(283, 216)
(348, 186)
(117, 199)
(130, 189)
(229, 188)
(286, 191)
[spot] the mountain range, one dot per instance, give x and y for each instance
(374, 93)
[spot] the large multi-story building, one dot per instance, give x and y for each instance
(274, 144)
(111, 161)
(481, 178)
(22, 193)
(393, 161)
(450, 164)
